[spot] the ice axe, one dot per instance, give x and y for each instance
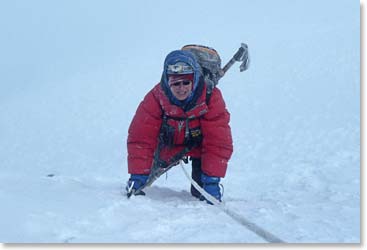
(241, 55)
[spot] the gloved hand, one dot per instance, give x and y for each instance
(211, 185)
(134, 183)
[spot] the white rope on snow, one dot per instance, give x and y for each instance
(267, 236)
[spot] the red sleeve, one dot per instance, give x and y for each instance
(143, 135)
(217, 144)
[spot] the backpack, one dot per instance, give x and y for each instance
(210, 62)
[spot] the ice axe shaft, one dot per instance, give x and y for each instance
(240, 56)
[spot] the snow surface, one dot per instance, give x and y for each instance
(73, 72)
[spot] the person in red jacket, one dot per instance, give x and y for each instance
(175, 120)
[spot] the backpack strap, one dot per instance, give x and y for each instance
(209, 90)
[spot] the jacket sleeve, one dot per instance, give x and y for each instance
(143, 135)
(217, 144)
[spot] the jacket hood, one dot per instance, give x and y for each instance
(190, 59)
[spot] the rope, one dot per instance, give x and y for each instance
(267, 236)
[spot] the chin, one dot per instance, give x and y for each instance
(182, 98)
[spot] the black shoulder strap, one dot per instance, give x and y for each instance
(209, 91)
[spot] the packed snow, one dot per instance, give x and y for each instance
(73, 73)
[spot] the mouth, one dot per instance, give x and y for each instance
(182, 94)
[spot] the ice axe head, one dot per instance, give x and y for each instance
(242, 56)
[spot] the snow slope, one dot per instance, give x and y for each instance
(72, 74)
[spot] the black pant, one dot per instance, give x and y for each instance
(196, 176)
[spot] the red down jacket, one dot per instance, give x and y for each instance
(213, 119)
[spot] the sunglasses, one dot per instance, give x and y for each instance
(184, 82)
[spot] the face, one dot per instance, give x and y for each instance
(181, 89)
